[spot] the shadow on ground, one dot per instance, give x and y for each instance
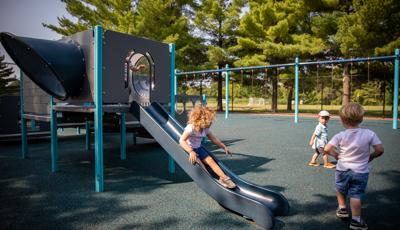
(33, 196)
(379, 211)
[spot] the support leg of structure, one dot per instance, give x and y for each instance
(98, 113)
(24, 135)
(134, 138)
(24, 138)
(87, 136)
(33, 125)
(173, 83)
(53, 129)
(123, 136)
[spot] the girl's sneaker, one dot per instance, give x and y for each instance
(227, 183)
(315, 164)
(358, 225)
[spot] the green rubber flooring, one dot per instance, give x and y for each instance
(139, 192)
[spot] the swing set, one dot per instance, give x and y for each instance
(395, 58)
(359, 75)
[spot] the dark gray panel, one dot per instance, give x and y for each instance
(84, 40)
(35, 99)
(9, 111)
(42, 109)
(116, 47)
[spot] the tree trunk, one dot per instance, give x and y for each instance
(201, 88)
(346, 85)
(290, 96)
(274, 105)
(220, 66)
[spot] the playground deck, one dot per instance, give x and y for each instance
(139, 193)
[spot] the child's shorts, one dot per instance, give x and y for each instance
(351, 183)
(201, 153)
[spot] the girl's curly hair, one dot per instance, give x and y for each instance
(201, 117)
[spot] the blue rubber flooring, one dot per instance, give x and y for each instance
(270, 151)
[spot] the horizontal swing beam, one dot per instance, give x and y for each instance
(379, 58)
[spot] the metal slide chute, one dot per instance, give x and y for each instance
(249, 200)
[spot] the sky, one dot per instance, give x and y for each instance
(25, 18)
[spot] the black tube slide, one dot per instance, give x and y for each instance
(247, 199)
(57, 67)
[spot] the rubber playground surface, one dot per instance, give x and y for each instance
(268, 150)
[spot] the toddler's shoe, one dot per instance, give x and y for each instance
(227, 183)
(358, 225)
(342, 213)
(315, 164)
(329, 166)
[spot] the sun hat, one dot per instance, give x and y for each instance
(324, 113)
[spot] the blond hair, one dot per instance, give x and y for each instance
(351, 114)
(201, 117)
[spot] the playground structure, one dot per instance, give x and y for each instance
(36, 101)
(98, 72)
(227, 71)
(33, 112)
(41, 60)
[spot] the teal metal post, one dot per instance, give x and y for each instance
(98, 112)
(175, 87)
(296, 91)
(87, 135)
(33, 125)
(396, 89)
(172, 79)
(54, 144)
(226, 91)
(171, 163)
(204, 102)
(123, 136)
(24, 136)
(134, 138)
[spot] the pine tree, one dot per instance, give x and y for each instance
(168, 21)
(160, 20)
(117, 15)
(273, 32)
(276, 31)
(369, 28)
(8, 84)
(217, 22)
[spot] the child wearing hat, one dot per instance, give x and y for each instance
(319, 139)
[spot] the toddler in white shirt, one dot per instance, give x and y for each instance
(353, 156)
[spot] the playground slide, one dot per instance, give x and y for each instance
(247, 199)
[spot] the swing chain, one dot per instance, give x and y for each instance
(369, 63)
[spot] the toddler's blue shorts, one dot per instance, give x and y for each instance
(351, 184)
(201, 153)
